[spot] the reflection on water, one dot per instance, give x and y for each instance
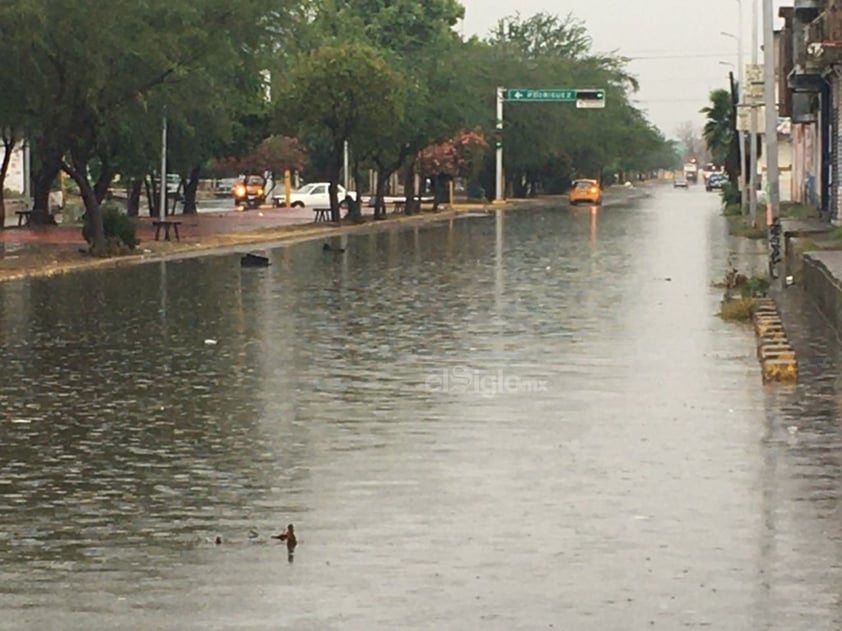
(515, 421)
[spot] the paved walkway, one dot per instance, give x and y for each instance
(198, 225)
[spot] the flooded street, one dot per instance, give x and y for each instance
(527, 421)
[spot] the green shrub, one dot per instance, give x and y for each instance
(730, 194)
(733, 210)
(119, 228)
(755, 287)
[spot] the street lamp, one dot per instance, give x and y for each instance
(740, 81)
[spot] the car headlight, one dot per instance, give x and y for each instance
(239, 191)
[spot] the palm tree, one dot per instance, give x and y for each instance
(718, 131)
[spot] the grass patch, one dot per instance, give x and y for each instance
(736, 309)
(835, 235)
(742, 227)
(805, 245)
(740, 294)
(793, 210)
(732, 210)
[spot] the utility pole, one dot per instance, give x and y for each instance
(741, 98)
(752, 192)
(345, 174)
(162, 209)
(498, 171)
(771, 108)
(27, 172)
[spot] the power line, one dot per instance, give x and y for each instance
(702, 101)
(681, 56)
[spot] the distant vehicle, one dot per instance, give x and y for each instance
(249, 191)
(715, 182)
(224, 187)
(585, 191)
(679, 182)
(691, 172)
(314, 195)
(709, 169)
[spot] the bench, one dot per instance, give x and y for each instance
(322, 214)
(24, 217)
(166, 225)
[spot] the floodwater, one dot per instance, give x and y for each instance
(522, 421)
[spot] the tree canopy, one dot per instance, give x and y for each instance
(390, 77)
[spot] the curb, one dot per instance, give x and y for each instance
(776, 355)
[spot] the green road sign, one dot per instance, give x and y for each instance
(521, 94)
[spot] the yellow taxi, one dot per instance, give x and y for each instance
(585, 191)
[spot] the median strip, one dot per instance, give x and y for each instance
(776, 355)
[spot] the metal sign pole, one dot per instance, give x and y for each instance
(498, 172)
(162, 209)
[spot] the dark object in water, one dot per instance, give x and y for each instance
(327, 247)
(254, 260)
(218, 540)
(289, 536)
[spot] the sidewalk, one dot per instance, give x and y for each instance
(49, 250)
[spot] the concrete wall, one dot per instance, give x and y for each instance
(820, 284)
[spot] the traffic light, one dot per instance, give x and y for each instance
(498, 138)
(590, 98)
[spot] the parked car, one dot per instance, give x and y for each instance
(679, 182)
(314, 195)
(715, 181)
(224, 187)
(585, 191)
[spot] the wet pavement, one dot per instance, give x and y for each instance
(523, 421)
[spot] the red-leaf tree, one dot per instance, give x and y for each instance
(274, 154)
(460, 155)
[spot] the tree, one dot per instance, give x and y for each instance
(718, 130)
(339, 92)
(81, 89)
(459, 156)
(690, 142)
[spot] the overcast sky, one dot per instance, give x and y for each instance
(677, 47)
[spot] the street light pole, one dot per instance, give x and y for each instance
(753, 125)
(771, 107)
(498, 171)
(740, 99)
(162, 209)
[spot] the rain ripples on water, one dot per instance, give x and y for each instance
(504, 422)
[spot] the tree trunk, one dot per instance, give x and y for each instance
(190, 188)
(379, 194)
(42, 182)
(134, 190)
(152, 197)
(409, 189)
(355, 206)
(8, 146)
(437, 182)
(79, 173)
(103, 182)
(333, 177)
